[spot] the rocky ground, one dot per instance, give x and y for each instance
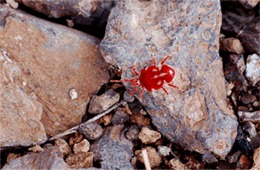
(60, 109)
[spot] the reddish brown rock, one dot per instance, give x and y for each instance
(48, 60)
(63, 146)
(148, 136)
(196, 115)
(256, 164)
(80, 160)
(83, 146)
(154, 158)
(243, 163)
(51, 159)
(232, 45)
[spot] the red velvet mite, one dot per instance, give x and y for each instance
(151, 77)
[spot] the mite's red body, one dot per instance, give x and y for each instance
(152, 77)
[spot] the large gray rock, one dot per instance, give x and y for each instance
(196, 116)
(41, 63)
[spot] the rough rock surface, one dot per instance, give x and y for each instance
(196, 116)
(256, 158)
(253, 68)
(51, 158)
(46, 61)
(113, 149)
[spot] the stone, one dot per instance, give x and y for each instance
(103, 102)
(88, 13)
(234, 157)
(249, 36)
(91, 130)
(140, 119)
(154, 158)
(76, 138)
(148, 136)
(132, 133)
(83, 146)
(63, 146)
(20, 118)
(36, 149)
(248, 98)
(113, 150)
(256, 158)
(244, 142)
(106, 120)
(196, 115)
(249, 4)
(120, 117)
(164, 150)
(253, 137)
(245, 116)
(243, 163)
(80, 160)
(50, 158)
(231, 45)
(253, 68)
(47, 64)
(234, 67)
(176, 164)
(209, 158)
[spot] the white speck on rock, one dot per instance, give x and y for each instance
(253, 68)
(24, 83)
(73, 94)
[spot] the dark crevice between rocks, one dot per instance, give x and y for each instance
(96, 29)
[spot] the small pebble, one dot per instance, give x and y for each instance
(253, 68)
(75, 139)
(253, 117)
(106, 120)
(73, 94)
(63, 146)
(80, 160)
(154, 158)
(232, 45)
(83, 146)
(248, 98)
(132, 133)
(176, 164)
(140, 119)
(36, 149)
(120, 117)
(91, 130)
(164, 150)
(103, 102)
(148, 136)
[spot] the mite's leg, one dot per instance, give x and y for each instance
(135, 70)
(141, 93)
(125, 80)
(133, 91)
(165, 59)
(165, 90)
(172, 85)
